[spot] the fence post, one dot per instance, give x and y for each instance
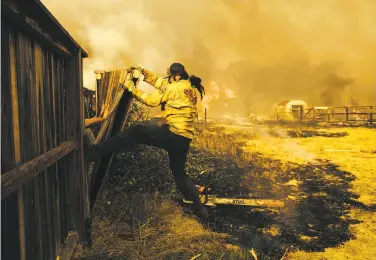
(205, 117)
(347, 114)
(139, 212)
(314, 115)
(370, 118)
(98, 76)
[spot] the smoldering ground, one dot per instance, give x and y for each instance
(317, 194)
(264, 51)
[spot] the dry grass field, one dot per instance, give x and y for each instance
(326, 176)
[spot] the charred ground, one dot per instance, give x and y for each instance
(319, 195)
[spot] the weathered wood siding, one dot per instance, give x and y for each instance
(41, 95)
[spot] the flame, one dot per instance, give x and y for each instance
(229, 93)
(214, 93)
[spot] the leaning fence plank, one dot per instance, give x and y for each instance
(120, 104)
(15, 178)
(94, 121)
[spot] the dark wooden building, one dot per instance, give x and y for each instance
(90, 103)
(44, 177)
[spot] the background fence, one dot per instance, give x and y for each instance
(44, 185)
(365, 114)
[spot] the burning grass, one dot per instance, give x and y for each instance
(325, 176)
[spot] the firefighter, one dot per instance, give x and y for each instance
(177, 95)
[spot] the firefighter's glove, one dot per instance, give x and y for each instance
(128, 85)
(137, 67)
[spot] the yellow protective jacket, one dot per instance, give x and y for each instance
(180, 100)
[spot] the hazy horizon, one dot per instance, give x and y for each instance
(250, 54)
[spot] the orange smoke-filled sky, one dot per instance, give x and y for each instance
(264, 52)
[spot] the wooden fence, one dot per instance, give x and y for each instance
(360, 114)
(44, 183)
(114, 104)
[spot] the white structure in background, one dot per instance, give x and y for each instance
(290, 110)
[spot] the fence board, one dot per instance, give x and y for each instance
(74, 178)
(7, 160)
(55, 141)
(40, 193)
(43, 191)
(48, 177)
(61, 163)
(17, 140)
(24, 80)
(9, 219)
(35, 143)
(116, 110)
(84, 164)
(15, 178)
(10, 142)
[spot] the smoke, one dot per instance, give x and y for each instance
(334, 84)
(264, 52)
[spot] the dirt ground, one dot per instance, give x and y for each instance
(326, 177)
